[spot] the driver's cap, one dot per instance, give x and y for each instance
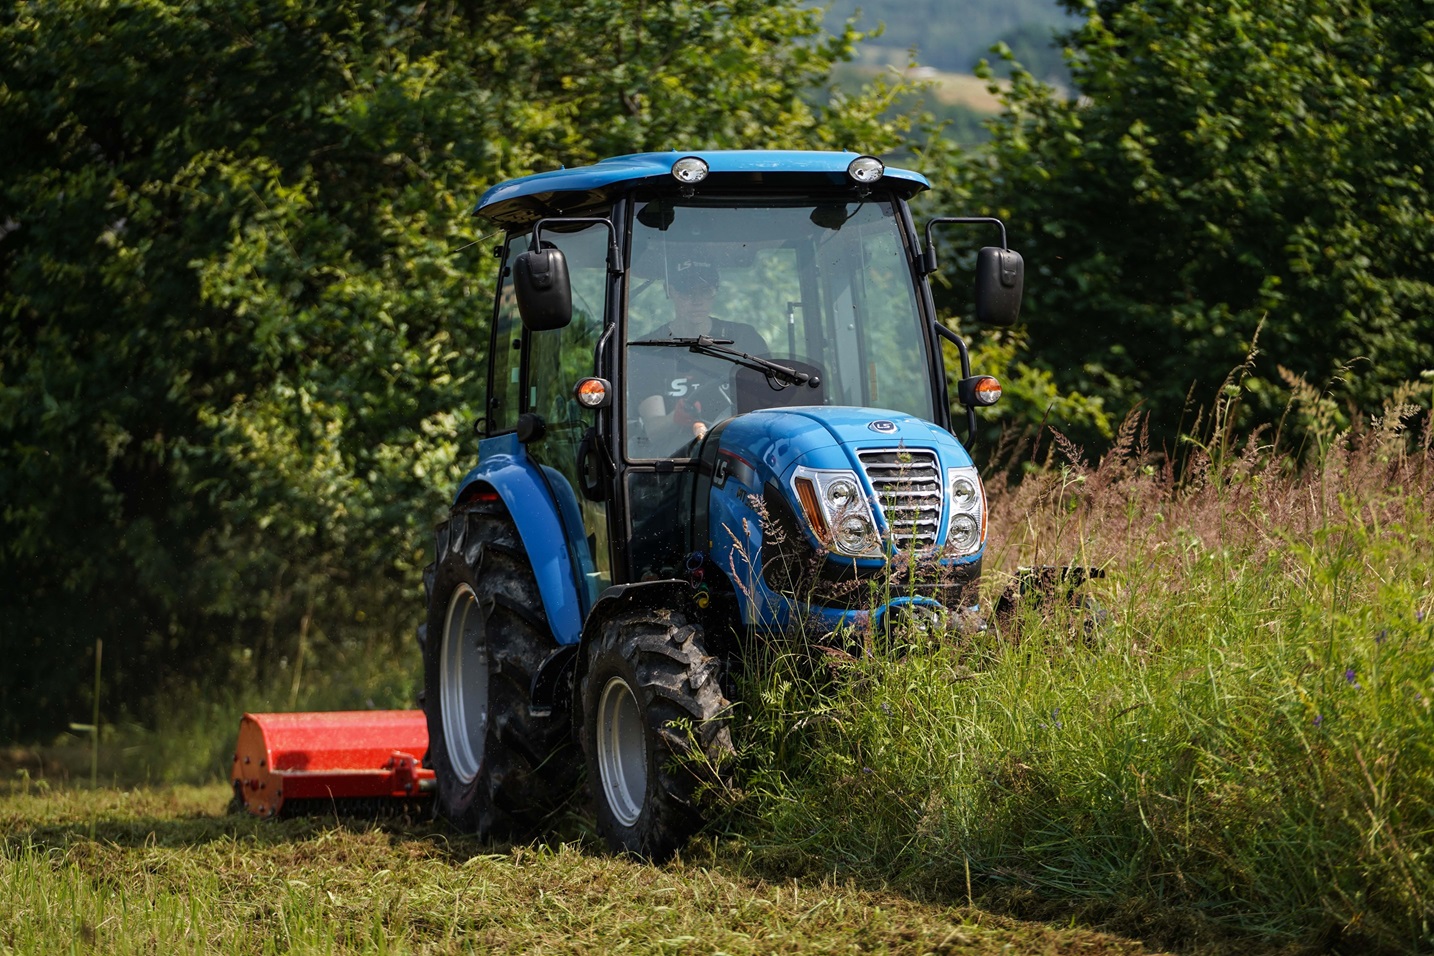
(693, 275)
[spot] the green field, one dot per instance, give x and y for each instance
(1233, 753)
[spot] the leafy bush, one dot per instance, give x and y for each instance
(1224, 180)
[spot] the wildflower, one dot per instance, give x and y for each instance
(1319, 719)
(886, 708)
(1056, 717)
(1419, 617)
(867, 770)
(1382, 636)
(1349, 677)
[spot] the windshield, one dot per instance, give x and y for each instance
(823, 289)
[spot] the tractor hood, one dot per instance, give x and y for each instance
(808, 505)
(882, 476)
(775, 442)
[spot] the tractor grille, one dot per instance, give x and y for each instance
(909, 491)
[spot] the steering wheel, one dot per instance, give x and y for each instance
(709, 405)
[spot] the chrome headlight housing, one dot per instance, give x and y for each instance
(837, 510)
(966, 531)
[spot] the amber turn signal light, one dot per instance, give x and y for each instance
(979, 390)
(593, 393)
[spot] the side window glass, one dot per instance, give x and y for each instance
(503, 391)
(559, 358)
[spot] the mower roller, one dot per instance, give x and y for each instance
(285, 763)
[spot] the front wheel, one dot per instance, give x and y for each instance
(654, 730)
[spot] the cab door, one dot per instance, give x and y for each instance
(554, 361)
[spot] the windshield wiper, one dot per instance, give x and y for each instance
(717, 348)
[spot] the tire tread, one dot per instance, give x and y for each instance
(528, 770)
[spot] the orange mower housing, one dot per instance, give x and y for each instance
(343, 755)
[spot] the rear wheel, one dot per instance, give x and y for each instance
(654, 730)
(501, 770)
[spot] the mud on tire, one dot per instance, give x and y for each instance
(501, 770)
(654, 730)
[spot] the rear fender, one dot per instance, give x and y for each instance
(505, 467)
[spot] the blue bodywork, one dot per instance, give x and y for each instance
(551, 535)
(524, 200)
(774, 444)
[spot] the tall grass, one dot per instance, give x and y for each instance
(1247, 739)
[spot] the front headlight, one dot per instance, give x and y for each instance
(965, 533)
(836, 508)
(841, 493)
(967, 530)
(855, 534)
(964, 495)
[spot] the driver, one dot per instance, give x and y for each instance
(685, 391)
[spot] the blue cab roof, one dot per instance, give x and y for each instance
(524, 200)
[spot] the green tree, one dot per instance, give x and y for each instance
(240, 284)
(1231, 177)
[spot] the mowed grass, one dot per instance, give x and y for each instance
(167, 871)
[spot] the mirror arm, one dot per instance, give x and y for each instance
(614, 257)
(960, 344)
(928, 255)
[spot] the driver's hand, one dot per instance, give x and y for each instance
(688, 413)
(699, 429)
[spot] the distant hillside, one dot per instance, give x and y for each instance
(952, 35)
(959, 101)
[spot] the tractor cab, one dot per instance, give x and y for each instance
(648, 300)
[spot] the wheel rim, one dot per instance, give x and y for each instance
(463, 685)
(622, 751)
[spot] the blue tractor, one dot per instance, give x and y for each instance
(716, 412)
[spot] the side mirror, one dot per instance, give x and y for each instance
(545, 294)
(1000, 278)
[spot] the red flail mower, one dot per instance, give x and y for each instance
(350, 761)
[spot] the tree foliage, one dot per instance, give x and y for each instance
(1233, 178)
(240, 287)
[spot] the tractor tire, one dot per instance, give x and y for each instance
(654, 730)
(501, 770)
